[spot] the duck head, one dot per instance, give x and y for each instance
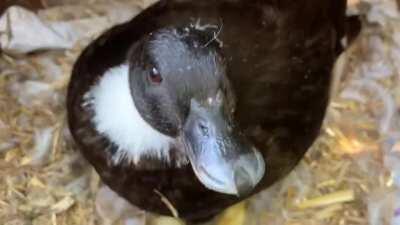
(178, 85)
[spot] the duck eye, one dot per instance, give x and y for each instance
(155, 76)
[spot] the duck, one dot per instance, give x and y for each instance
(205, 102)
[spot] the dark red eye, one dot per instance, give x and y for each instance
(155, 76)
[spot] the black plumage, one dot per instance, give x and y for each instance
(278, 55)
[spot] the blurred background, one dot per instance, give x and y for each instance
(351, 175)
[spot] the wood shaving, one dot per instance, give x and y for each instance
(353, 164)
(171, 207)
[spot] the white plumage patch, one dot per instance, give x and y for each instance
(116, 117)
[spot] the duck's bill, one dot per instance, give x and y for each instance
(222, 159)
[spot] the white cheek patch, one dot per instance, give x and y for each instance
(116, 117)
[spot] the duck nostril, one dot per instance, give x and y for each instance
(203, 128)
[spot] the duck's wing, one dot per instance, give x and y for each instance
(281, 68)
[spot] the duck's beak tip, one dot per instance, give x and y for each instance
(222, 159)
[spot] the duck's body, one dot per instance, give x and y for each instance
(278, 55)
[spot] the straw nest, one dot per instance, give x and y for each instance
(348, 177)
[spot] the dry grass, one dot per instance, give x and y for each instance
(43, 179)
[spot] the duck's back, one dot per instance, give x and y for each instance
(279, 56)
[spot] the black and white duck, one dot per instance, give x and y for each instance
(207, 102)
